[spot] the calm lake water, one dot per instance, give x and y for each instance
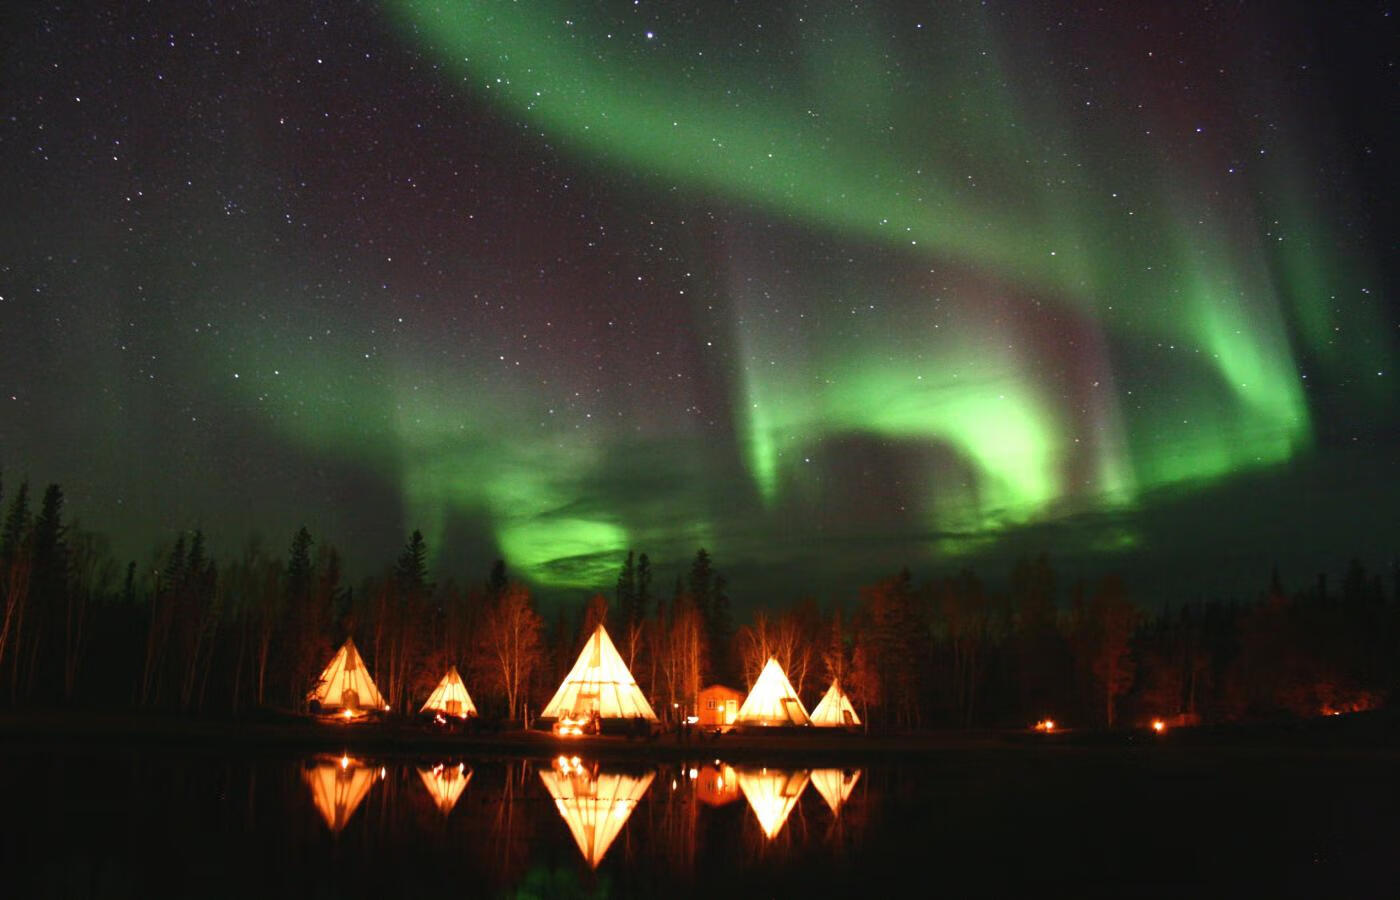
(1005, 822)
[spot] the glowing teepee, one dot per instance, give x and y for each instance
(599, 683)
(772, 793)
(345, 684)
(446, 784)
(450, 697)
(338, 786)
(834, 710)
(772, 700)
(835, 785)
(594, 805)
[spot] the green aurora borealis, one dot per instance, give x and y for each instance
(823, 288)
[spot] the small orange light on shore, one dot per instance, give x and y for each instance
(345, 762)
(348, 714)
(1045, 725)
(1159, 726)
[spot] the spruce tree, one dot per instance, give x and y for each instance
(701, 582)
(411, 571)
(50, 547)
(496, 583)
(299, 567)
(643, 586)
(16, 525)
(626, 594)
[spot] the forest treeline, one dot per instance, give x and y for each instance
(230, 636)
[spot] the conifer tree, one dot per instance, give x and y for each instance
(299, 567)
(626, 593)
(16, 525)
(644, 576)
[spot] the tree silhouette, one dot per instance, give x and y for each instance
(512, 636)
(1112, 621)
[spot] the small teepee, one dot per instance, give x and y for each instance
(345, 685)
(450, 697)
(772, 793)
(772, 700)
(599, 684)
(835, 785)
(595, 805)
(835, 709)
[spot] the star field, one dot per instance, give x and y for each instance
(828, 289)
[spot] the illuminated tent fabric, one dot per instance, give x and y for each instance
(337, 788)
(445, 784)
(594, 805)
(450, 697)
(599, 682)
(345, 683)
(835, 785)
(772, 793)
(772, 700)
(834, 710)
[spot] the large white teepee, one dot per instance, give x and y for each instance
(450, 697)
(772, 700)
(599, 683)
(345, 684)
(834, 710)
(337, 788)
(835, 785)
(595, 805)
(772, 793)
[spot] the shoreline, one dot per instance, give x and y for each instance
(1368, 733)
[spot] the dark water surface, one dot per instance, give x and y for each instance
(127, 823)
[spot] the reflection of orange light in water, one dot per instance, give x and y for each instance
(1159, 726)
(337, 788)
(716, 785)
(569, 765)
(594, 804)
(445, 785)
(772, 795)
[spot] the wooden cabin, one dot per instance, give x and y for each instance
(717, 706)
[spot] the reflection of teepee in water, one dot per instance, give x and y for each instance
(337, 787)
(446, 784)
(772, 793)
(835, 785)
(595, 805)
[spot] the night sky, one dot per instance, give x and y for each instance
(828, 288)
